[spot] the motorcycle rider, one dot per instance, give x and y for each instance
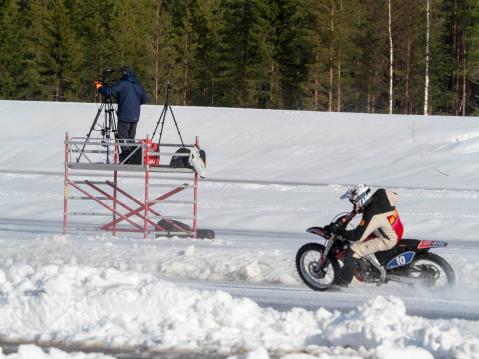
(380, 228)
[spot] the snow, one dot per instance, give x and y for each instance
(271, 174)
(120, 308)
(32, 351)
(281, 145)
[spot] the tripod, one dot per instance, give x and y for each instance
(108, 126)
(162, 117)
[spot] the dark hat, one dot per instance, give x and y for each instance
(126, 71)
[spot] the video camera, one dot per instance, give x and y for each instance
(105, 74)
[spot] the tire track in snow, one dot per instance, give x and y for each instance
(243, 181)
(56, 227)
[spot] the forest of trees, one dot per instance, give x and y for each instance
(378, 56)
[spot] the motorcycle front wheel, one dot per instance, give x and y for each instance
(307, 265)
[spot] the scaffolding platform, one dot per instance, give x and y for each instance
(125, 167)
(129, 208)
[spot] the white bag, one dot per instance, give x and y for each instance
(197, 162)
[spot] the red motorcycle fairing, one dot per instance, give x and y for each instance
(316, 230)
(339, 254)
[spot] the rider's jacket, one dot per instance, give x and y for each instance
(380, 219)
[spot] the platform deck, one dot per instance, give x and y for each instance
(126, 168)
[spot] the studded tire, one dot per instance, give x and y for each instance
(307, 258)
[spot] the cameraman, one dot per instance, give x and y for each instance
(130, 96)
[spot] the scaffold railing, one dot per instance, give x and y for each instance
(130, 207)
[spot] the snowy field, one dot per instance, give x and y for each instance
(271, 174)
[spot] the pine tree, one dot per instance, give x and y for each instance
(208, 26)
(10, 47)
(288, 65)
(34, 79)
(332, 36)
(466, 56)
(185, 42)
(160, 49)
(127, 42)
(443, 71)
(473, 61)
(318, 38)
(63, 56)
(246, 53)
(409, 55)
(303, 54)
(348, 31)
(90, 20)
(374, 60)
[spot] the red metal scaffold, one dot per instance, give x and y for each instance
(124, 207)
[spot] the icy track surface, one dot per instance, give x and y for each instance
(272, 174)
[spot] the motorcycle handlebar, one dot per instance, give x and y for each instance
(344, 220)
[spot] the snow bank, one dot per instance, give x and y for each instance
(218, 260)
(34, 352)
(73, 303)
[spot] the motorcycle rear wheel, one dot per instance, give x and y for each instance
(432, 271)
(307, 259)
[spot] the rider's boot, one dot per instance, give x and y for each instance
(346, 273)
(374, 261)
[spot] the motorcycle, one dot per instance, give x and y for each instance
(408, 262)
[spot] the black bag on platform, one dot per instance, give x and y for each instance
(136, 152)
(135, 158)
(184, 161)
(181, 161)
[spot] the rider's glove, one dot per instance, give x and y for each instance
(98, 85)
(331, 229)
(340, 237)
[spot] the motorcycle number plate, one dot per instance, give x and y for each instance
(431, 244)
(401, 260)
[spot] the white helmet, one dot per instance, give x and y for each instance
(358, 195)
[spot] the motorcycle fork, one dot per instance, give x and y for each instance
(324, 255)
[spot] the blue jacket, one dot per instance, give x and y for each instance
(130, 96)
